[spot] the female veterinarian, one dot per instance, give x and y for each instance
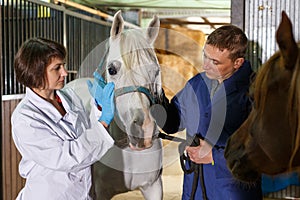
(57, 140)
(212, 105)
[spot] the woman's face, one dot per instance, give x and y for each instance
(56, 73)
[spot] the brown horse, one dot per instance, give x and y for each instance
(268, 141)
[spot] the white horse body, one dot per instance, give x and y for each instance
(131, 61)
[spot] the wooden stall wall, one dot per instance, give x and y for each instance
(12, 181)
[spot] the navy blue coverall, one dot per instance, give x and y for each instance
(214, 119)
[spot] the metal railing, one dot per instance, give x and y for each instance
(80, 32)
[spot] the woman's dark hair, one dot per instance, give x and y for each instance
(231, 38)
(32, 59)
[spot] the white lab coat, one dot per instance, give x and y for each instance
(57, 151)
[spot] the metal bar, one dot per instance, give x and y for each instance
(69, 12)
(95, 12)
(12, 97)
(1, 87)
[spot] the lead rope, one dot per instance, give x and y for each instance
(196, 168)
(203, 188)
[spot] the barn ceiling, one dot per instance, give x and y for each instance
(208, 14)
(182, 4)
(166, 8)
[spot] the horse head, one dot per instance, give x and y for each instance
(268, 141)
(133, 67)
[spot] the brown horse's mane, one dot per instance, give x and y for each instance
(260, 88)
(294, 96)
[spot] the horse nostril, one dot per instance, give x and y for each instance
(138, 122)
(141, 144)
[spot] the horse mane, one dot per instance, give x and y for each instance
(294, 96)
(260, 84)
(260, 87)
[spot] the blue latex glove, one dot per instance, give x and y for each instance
(107, 103)
(104, 96)
(96, 88)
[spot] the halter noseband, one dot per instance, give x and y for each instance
(141, 89)
(129, 89)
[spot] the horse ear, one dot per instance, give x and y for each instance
(117, 25)
(153, 29)
(286, 42)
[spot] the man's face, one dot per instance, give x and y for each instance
(217, 64)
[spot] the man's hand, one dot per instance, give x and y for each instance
(201, 154)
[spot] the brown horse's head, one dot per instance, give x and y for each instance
(268, 141)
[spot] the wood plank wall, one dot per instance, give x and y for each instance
(12, 182)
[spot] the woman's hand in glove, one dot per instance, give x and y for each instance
(104, 96)
(107, 103)
(96, 88)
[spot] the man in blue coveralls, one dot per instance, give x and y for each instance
(212, 105)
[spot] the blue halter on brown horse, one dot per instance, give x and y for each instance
(269, 140)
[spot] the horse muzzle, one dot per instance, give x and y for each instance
(141, 145)
(241, 170)
(238, 163)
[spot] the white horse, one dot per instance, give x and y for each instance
(135, 161)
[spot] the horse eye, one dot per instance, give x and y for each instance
(113, 68)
